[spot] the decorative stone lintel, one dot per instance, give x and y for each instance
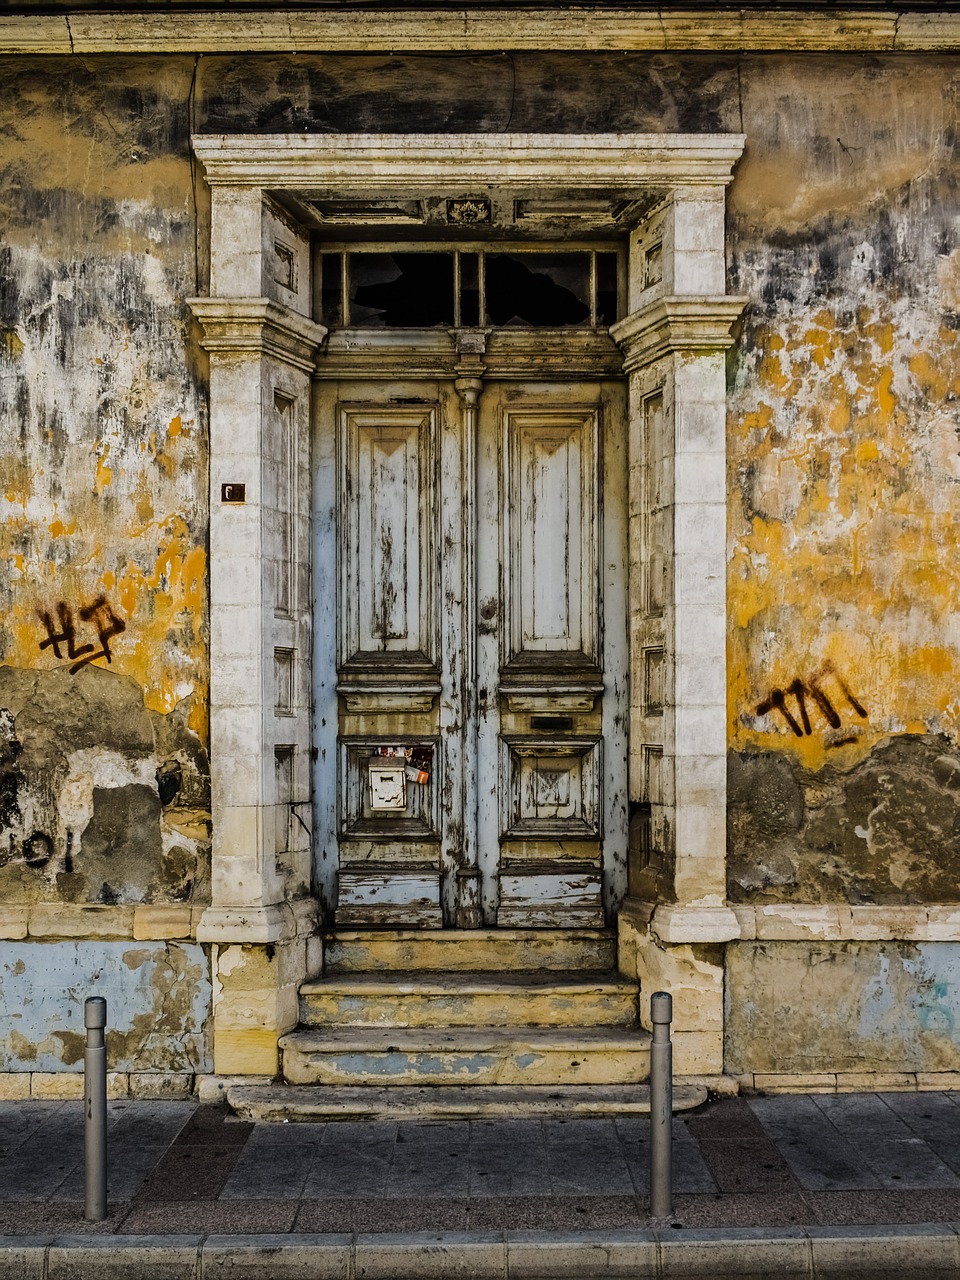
(684, 323)
(679, 924)
(280, 922)
(258, 326)
(442, 162)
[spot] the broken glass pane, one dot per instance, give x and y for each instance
(401, 290)
(545, 290)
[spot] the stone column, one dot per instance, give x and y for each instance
(675, 919)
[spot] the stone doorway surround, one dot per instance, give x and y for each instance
(262, 342)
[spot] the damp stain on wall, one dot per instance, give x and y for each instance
(103, 498)
(844, 423)
(101, 799)
(884, 830)
(855, 1006)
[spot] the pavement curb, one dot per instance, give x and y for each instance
(929, 1250)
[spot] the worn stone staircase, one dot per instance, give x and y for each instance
(470, 1023)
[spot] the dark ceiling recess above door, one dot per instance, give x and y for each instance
(551, 289)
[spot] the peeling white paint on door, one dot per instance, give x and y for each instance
(470, 554)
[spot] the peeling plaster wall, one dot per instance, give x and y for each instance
(103, 776)
(844, 1007)
(157, 994)
(103, 453)
(844, 454)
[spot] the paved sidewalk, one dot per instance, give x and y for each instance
(793, 1166)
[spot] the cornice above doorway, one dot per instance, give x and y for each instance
(132, 29)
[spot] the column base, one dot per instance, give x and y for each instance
(692, 972)
(273, 923)
(259, 959)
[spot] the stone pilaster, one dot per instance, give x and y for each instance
(673, 342)
(262, 355)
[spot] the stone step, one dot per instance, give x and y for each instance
(281, 1103)
(465, 1000)
(463, 950)
(466, 1055)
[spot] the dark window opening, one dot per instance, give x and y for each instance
(469, 288)
(607, 273)
(401, 290)
(543, 290)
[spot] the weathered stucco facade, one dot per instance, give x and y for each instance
(839, 947)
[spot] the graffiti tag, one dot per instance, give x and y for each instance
(805, 695)
(62, 632)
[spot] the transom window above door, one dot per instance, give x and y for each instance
(386, 287)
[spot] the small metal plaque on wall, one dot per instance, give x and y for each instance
(233, 493)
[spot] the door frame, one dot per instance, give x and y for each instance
(262, 344)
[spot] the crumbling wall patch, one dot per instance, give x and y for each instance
(158, 1004)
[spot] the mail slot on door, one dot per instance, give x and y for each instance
(388, 785)
(389, 771)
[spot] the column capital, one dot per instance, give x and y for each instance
(685, 323)
(257, 327)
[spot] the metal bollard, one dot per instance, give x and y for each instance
(661, 1107)
(95, 1108)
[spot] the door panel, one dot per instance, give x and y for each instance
(386, 544)
(379, 656)
(471, 659)
(550, 522)
(551, 813)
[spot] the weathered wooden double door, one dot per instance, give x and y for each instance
(471, 702)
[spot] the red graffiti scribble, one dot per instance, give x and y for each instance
(800, 690)
(61, 634)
